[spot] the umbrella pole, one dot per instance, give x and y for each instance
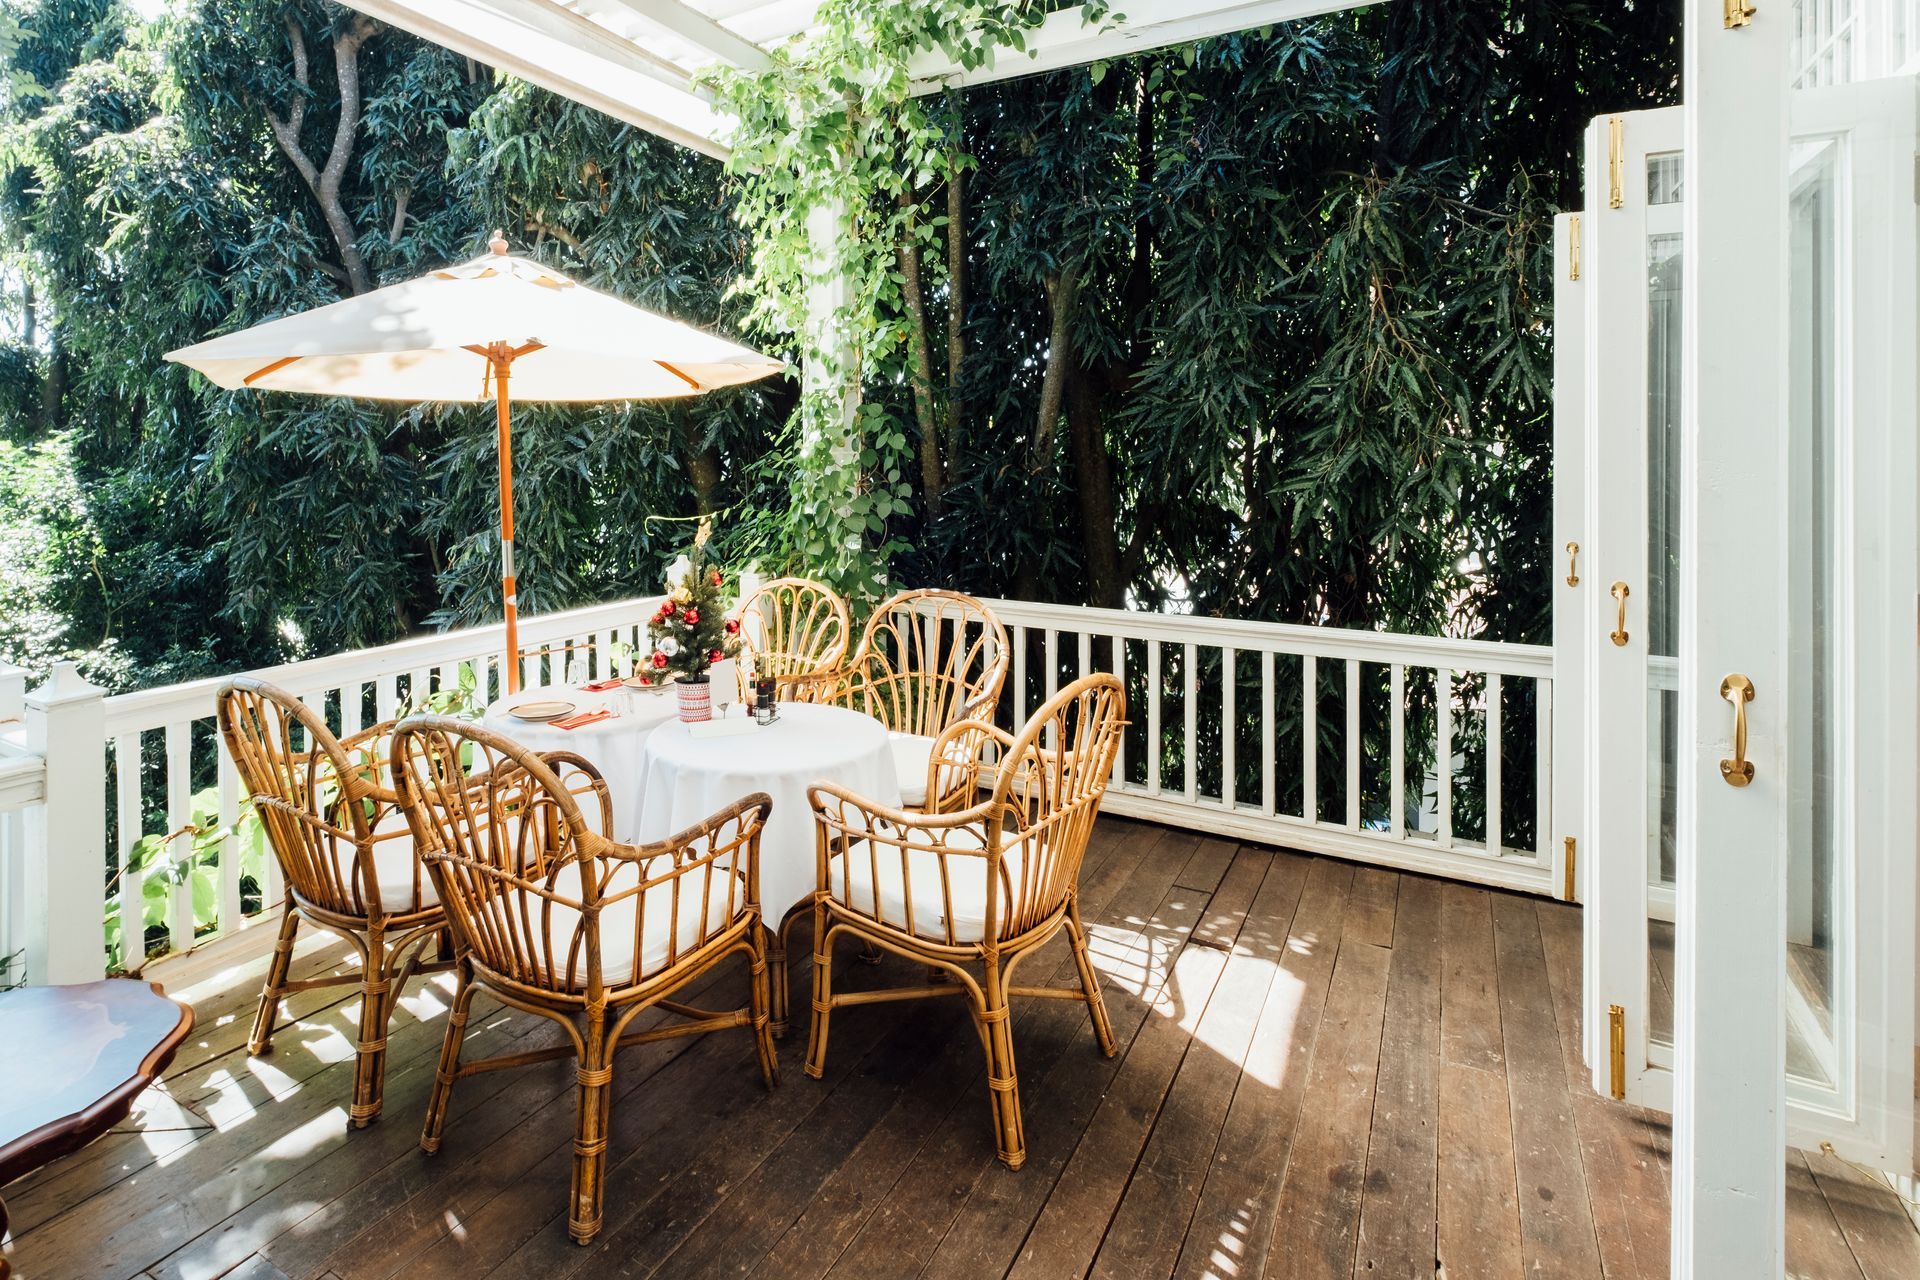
(509, 588)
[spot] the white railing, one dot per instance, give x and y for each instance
(1216, 739)
(1419, 747)
(172, 781)
(23, 787)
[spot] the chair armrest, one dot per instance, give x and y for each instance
(734, 828)
(565, 762)
(955, 765)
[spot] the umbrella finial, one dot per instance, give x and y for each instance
(498, 244)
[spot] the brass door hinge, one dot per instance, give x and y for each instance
(1736, 13)
(1617, 1050)
(1616, 162)
(1568, 895)
(1573, 246)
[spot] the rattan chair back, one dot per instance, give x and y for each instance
(534, 889)
(926, 660)
(325, 805)
(796, 631)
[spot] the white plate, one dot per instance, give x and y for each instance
(540, 712)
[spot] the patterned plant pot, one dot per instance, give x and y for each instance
(696, 699)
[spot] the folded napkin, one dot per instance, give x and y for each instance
(600, 686)
(580, 719)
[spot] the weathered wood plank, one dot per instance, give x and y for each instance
(1816, 1246)
(1210, 860)
(1150, 1225)
(1370, 911)
(1319, 1213)
(1626, 1184)
(1399, 1207)
(1556, 1219)
(1469, 987)
(1479, 1214)
(1236, 1216)
(1877, 1230)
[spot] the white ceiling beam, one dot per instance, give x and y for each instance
(700, 31)
(1066, 39)
(569, 55)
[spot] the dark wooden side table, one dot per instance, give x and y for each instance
(72, 1060)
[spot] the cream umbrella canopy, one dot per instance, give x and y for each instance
(467, 333)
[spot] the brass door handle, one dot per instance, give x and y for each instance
(1620, 594)
(1738, 690)
(1573, 564)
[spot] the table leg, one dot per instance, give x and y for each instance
(776, 983)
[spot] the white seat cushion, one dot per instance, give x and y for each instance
(911, 753)
(853, 877)
(664, 938)
(393, 863)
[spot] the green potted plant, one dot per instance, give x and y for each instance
(691, 630)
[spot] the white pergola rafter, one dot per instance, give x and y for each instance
(636, 59)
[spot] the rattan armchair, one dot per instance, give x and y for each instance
(346, 856)
(556, 919)
(926, 661)
(796, 631)
(973, 890)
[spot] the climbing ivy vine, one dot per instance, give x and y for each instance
(835, 153)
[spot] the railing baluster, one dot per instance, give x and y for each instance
(1120, 673)
(1229, 723)
(133, 879)
(1052, 684)
(1153, 716)
(1443, 752)
(180, 814)
(229, 784)
(1542, 770)
(1019, 678)
(1353, 744)
(386, 698)
(1493, 764)
(1190, 705)
(1309, 738)
(1397, 752)
(350, 695)
(1266, 732)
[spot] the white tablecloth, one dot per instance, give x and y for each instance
(688, 779)
(615, 747)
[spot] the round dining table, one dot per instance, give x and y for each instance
(688, 778)
(615, 746)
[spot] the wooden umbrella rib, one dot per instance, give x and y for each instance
(676, 373)
(264, 370)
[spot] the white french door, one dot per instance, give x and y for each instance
(1839, 710)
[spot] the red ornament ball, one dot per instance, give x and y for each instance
(659, 661)
(716, 578)
(667, 610)
(714, 656)
(733, 626)
(693, 617)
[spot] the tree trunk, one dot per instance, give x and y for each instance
(324, 183)
(1063, 291)
(919, 349)
(1093, 486)
(956, 310)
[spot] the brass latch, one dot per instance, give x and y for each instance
(1736, 13)
(1573, 246)
(1617, 1050)
(1616, 162)
(1568, 895)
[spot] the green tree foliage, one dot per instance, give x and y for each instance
(1259, 322)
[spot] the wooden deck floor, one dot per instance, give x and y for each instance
(1325, 1072)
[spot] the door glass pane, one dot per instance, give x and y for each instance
(1818, 851)
(1663, 579)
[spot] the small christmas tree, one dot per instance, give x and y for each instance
(692, 631)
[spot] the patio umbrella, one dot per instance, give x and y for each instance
(464, 334)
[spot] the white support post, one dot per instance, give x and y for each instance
(1729, 1073)
(13, 693)
(67, 836)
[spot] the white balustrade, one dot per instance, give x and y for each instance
(1403, 751)
(1307, 737)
